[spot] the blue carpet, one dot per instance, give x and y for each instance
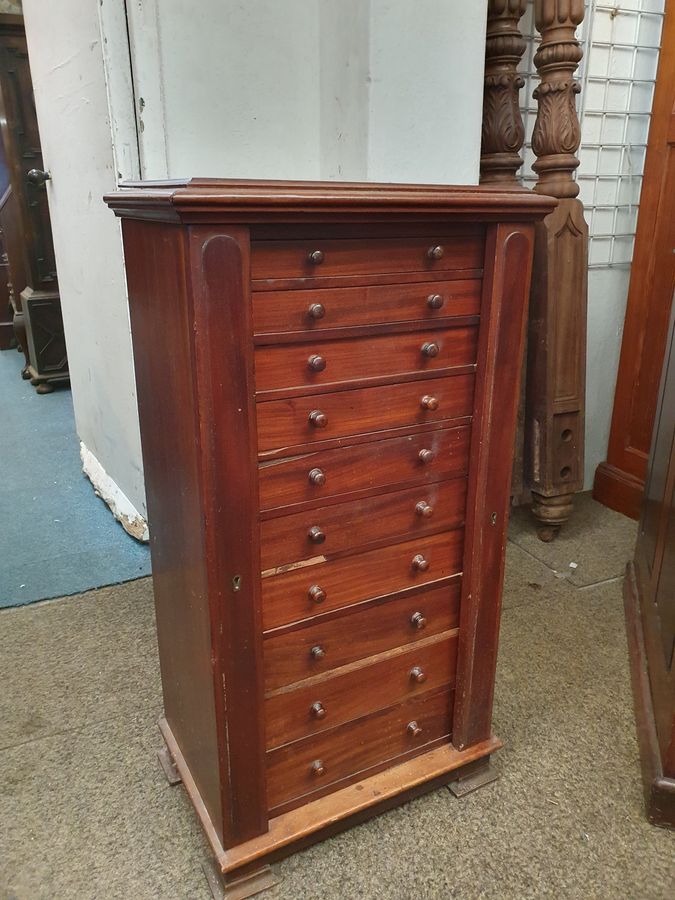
(56, 536)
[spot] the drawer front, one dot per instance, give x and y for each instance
(337, 699)
(347, 526)
(352, 359)
(308, 591)
(297, 421)
(414, 459)
(315, 763)
(289, 656)
(275, 312)
(322, 258)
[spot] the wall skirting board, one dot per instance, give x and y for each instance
(109, 491)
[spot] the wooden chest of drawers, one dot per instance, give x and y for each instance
(327, 383)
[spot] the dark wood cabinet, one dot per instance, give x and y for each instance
(24, 219)
(327, 384)
(650, 607)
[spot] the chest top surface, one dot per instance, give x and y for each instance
(199, 199)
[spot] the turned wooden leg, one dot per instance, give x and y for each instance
(551, 513)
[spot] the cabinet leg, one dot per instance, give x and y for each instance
(551, 513)
(469, 783)
(169, 766)
(238, 888)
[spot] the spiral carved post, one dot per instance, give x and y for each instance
(556, 366)
(501, 141)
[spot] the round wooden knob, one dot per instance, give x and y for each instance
(317, 476)
(436, 252)
(317, 652)
(423, 509)
(318, 419)
(316, 311)
(318, 710)
(316, 535)
(435, 301)
(429, 402)
(414, 729)
(430, 349)
(418, 621)
(426, 456)
(417, 675)
(419, 563)
(317, 594)
(318, 767)
(315, 257)
(316, 363)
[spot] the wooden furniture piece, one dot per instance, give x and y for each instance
(327, 383)
(24, 219)
(650, 608)
(619, 481)
(549, 449)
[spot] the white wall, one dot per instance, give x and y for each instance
(426, 90)
(70, 94)
(383, 90)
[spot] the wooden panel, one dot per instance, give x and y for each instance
(375, 684)
(288, 596)
(355, 747)
(289, 311)
(356, 635)
(350, 526)
(499, 367)
(326, 362)
(155, 267)
(219, 270)
(286, 423)
(396, 461)
(291, 259)
(619, 481)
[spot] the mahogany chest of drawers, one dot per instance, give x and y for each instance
(327, 383)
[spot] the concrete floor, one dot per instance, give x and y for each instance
(85, 811)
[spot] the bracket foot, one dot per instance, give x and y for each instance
(238, 888)
(168, 766)
(466, 785)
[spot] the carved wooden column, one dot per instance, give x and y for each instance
(556, 375)
(503, 132)
(501, 141)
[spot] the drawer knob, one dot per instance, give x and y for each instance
(435, 301)
(318, 767)
(317, 476)
(316, 363)
(418, 621)
(419, 563)
(316, 535)
(318, 710)
(426, 456)
(317, 594)
(318, 419)
(428, 402)
(315, 257)
(414, 729)
(423, 509)
(430, 349)
(317, 652)
(316, 311)
(417, 675)
(436, 252)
